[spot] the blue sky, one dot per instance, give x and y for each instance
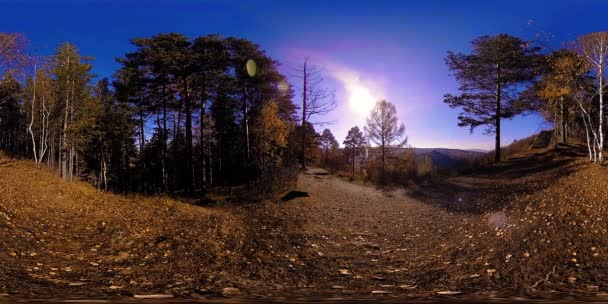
(381, 49)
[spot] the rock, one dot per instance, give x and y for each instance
(408, 286)
(571, 279)
(75, 284)
(491, 271)
(93, 264)
(380, 292)
(230, 292)
(113, 287)
(338, 287)
(154, 296)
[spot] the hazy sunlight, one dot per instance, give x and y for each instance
(360, 99)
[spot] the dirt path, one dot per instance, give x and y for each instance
(363, 240)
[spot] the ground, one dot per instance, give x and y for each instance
(533, 226)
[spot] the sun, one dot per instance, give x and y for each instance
(361, 100)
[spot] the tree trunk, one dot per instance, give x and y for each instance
(32, 120)
(303, 143)
(210, 162)
(141, 135)
(64, 146)
(44, 132)
(497, 143)
(383, 160)
(163, 162)
(587, 136)
(563, 121)
(202, 139)
(189, 170)
(246, 127)
(353, 172)
(601, 113)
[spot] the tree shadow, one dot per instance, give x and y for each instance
(6, 164)
(293, 195)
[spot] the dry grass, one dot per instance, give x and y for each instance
(512, 228)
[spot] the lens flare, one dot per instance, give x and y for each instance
(251, 67)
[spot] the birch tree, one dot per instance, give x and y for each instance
(594, 48)
(38, 104)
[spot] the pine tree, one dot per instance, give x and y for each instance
(491, 78)
(328, 143)
(354, 143)
(72, 74)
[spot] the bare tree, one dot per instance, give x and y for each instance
(12, 53)
(13, 58)
(316, 100)
(594, 48)
(383, 129)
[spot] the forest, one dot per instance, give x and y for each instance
(180, 115)
(184, 115)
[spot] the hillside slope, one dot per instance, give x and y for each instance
(531, 226)
(68, 239)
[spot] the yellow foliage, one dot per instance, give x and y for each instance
(271, 135)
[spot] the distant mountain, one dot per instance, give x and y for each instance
(478, 150)
(447, 158)
(442, 158)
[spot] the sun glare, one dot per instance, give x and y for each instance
(361, 100)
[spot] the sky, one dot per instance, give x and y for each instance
(368, 50)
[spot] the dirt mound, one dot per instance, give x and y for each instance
(68, 239)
